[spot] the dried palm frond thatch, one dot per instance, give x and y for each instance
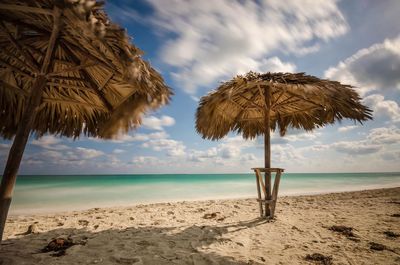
(255, 104)
(95, 78)
(65, 69)
(296, 101)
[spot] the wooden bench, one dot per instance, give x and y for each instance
(270, 197)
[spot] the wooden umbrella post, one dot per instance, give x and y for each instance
(267, 149)
(25, 126)
(270, 195)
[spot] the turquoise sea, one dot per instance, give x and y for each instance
(72, 192)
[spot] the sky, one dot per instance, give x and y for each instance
(197, 44)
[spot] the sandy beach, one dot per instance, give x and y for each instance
(147, 132)
(216, 232)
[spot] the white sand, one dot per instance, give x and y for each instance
(177, 233)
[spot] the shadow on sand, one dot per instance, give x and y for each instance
(133, 245)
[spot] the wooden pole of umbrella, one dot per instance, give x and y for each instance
(25, 126)
(270, 196)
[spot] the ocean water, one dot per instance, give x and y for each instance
(40, 194)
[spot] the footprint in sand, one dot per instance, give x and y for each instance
(391, 234)
(171, 244)
(123, 260)
(145, 243)
(83, 222)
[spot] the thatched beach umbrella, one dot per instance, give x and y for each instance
(255, 104)
(66, 70)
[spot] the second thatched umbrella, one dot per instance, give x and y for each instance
(255, 104)
(66, 69)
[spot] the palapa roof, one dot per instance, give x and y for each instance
(297, 101)
(97, 83)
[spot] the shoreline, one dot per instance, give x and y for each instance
(215, 232)
(236, 173)
(47, 211)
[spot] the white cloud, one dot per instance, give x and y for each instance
(146, 161)
(291, 136)
(201, 156)
(33, 162)
(391, 156)
(356, 147)
(46, 140)
(373, 68)
(383, 142)
(122, 12)
(191, 80)
(273, 64)
(229, 149)
(382, 108)
(50, 156)
(135, 137)
(149, 122)
(378, 140)
(87, 153)
(347, 128)
(304, 136)
(231, 152)
(238, 141)
(197, 99)
(319, 147)
(154, 123)
(50, 142)
(118, 151)
(114, 161)
(248, 157)
(79, 156)
(282, 154)
(219, 40)
(384, 135)
(172, 147)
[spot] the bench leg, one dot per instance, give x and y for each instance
(275, 193)
(259, 193)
